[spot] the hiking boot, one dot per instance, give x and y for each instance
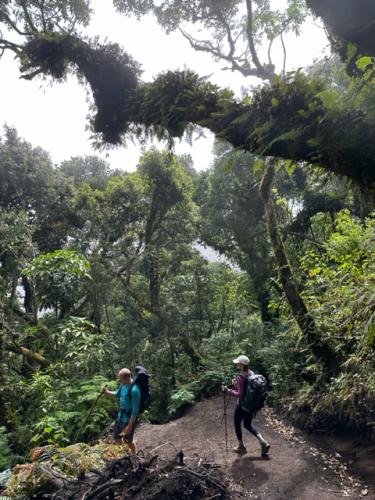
(240, 449)
(265, 447)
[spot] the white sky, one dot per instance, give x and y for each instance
(54, 117)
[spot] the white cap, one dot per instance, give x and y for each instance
(244, 360)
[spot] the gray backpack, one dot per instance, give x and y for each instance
(255, 394)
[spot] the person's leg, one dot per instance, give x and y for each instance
(248, 424)
(119, 427)
(131, 446)
(237, 426)
(237, 423)
(129, 439)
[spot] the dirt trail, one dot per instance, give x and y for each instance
(295, 469)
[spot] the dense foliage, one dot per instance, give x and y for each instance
(102, 269)
(125, 284)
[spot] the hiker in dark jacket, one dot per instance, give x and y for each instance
(129, 397)
(240, 415)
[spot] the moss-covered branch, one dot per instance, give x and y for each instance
(286, 119)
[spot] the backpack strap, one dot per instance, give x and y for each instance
(130, 390)
(245, 377)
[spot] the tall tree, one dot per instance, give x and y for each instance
(232, 218)
(29, 182)
(318, 344)
(90, 169)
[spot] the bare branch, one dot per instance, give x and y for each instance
(27, 16)
(6, 44)
(202, 45)
(206, 46)
(12, 24)
(250, 39)
(238, 64)
(232, 44)
(269, 51)
(44, 22)
(284, 51)
(32, 75)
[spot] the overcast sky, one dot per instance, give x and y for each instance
(54, 116)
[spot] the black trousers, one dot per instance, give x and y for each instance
(246, 417)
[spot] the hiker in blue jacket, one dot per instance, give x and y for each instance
(129, 397)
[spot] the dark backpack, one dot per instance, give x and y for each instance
(255, 394)
(142, 380)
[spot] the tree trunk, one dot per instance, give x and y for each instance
(154, 281)
(318, 346)
(127, 101)
(199, 295)
(28, 302)
(367, 201)
(264, 302)
(3, 373)
(190, 349)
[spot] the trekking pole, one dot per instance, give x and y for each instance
(78, 433)
(225, 410)
(225, 422)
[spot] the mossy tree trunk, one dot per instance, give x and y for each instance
(319, 347)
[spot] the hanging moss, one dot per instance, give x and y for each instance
(110, 72)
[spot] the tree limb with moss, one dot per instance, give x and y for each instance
(298, 119)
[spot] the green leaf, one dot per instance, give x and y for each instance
(314, 142)
(351, 51)
(290, 167)
(364, 62)
(258, 165)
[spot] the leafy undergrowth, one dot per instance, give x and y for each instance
(206, 385)
(348, 404)
(75, 461)
(109, 471)
(339, 284)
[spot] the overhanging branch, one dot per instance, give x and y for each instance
(351, 21)
(279, 122)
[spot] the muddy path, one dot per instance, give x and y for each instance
(296, 469)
